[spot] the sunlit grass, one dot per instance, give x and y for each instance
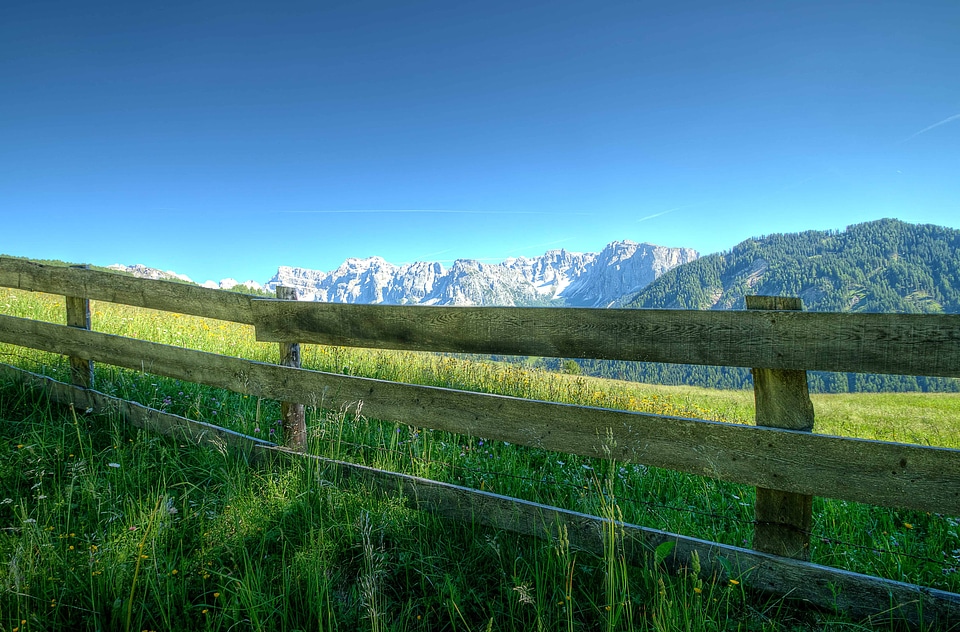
(174, 536)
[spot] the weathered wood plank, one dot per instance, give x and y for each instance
(909, 344)
(78, 315)
(874, 472)
(783, 519)
(856, 595)
(292, 414)
(127, 290)
(135, 414)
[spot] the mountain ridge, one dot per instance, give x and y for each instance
(886, 265)
(558, 277)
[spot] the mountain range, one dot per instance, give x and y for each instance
(558, 277)
(881, 266)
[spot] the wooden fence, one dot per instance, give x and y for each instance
(781, 456)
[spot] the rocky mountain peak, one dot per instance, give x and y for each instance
(558, 277)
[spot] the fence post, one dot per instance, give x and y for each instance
(294, 418)
(783, 519)
(78, 315)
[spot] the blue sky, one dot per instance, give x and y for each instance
(226, 139)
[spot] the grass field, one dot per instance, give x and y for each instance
(106, 527)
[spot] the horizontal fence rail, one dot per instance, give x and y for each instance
(876, 472)
(111, 287)
(902, 344)
(856, 594)
(779, 455)
(907, 344)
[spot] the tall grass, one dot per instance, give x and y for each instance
(106, 527)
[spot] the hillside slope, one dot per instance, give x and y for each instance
(881, 266)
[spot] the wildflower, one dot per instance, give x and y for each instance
(734, 582)
(907, 525)
(216, 595)
(19, 446)
(174, 572)
(204, 611)
(697, 590)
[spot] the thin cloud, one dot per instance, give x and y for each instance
(427, 256)
(412, 211)
(669, 210)
(935, 125)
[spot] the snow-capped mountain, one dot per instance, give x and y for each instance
(145, 272)
(558, 277)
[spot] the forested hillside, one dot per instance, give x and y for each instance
(881, 266)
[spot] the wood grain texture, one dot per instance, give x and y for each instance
(127, 290)
(858, 596)
(783, 519)
(292, 414)
(881, 473)
(908, 344)
(89, 400)
(78, 315)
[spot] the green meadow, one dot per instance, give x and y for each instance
(105, 527)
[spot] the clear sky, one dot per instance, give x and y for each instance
(223, 139)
